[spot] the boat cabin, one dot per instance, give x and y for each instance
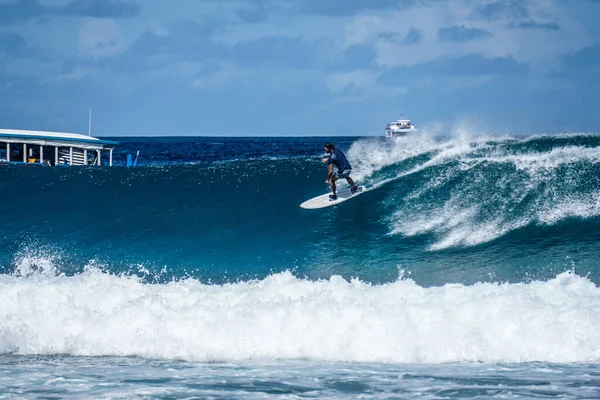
(399, 128)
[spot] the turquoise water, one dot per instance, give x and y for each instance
(469, 269)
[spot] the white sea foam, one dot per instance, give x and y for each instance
(36, 261)
(571, 207)
(371, 155)
(481, 207)
(534, 162)
(283, 317)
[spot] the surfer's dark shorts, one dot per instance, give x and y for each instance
(342, 174)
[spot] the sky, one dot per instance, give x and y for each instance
(299, 67)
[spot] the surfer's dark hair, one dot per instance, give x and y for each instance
(330, 146)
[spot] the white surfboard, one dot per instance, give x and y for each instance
(324, 200)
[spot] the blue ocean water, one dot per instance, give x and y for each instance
(468, 269)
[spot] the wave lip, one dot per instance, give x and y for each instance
(283, 317)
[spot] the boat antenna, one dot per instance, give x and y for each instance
(90, 124)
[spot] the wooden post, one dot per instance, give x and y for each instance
(56, 155)
(99, 157)
(24, 152)
(70, 156)
(85, 157)
(41, 154)
(110, 158)
(7, 151)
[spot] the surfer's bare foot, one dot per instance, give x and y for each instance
(333, 197)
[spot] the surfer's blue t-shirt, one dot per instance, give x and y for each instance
(338, 159)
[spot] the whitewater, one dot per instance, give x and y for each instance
(283, 317)
(468, 270)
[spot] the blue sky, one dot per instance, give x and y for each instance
(299, 67)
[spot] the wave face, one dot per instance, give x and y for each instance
(202, 252)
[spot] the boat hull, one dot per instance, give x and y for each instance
(399, 133)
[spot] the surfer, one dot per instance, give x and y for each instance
(344, 169)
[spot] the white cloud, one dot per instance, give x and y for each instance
(225, 75)
(360, 84)
(359, 79)
(540, 47)
(100, 38)
(54, 3)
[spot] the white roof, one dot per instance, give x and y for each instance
(57, 135)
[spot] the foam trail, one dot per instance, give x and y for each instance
(283, 317)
